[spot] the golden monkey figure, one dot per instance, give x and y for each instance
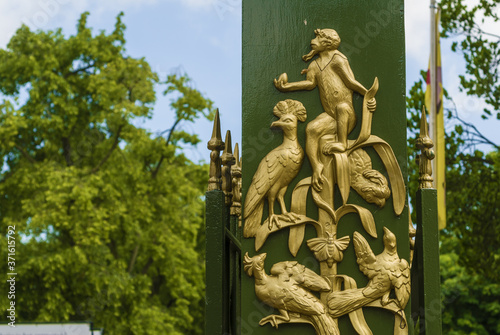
(332, 74)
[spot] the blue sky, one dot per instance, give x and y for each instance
(203, 39)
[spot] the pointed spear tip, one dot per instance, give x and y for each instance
(215, 142)
(237, 154)
(228, 145)
(423, 124)
(216, 131)
(227, 154)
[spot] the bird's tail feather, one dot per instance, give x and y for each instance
(325, 324)
(252, 222)
(347, 301)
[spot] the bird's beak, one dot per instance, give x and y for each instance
(263, 256)
(277, 124)
(386, 231)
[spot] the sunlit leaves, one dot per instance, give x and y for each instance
(463, 20)
(110, 217)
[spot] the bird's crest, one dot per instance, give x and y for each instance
(248, 264)
(290, 106)
(253, 262)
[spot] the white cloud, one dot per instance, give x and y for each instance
(417, 26)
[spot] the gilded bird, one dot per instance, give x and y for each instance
(293, 271)
(369, 183)
(385, 272)
(287, 290)
(276, 170)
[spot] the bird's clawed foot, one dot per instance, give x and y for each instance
(385, 300)
(272, 319)
(291, 217)
(331, 148)
(274, 220)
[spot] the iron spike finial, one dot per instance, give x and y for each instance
(227, 161)
(216, 140)
(237, 156)
(236, 181)
(424, 144)
(215, 145)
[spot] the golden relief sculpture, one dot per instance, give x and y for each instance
(288, 290)
(337, 162)
(385, 271)
(367, 182)
(276, 171)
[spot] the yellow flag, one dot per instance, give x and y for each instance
(439, 174)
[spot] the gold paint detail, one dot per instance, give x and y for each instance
(370, 184)
(236, 181)
(215, 145)
(386, 272)
(327, 134)
(412, 233)
(329, 249)
(424, 144)
(337, 162)
(288, 289)
(289, 286)
(276, 171)
(227, 160)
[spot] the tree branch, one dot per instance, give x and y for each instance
(482, 139)
(133, 259)
(477, 133)
(71, 73)
(480, 160)
(67, 151)
(147, 266)
(110, 151)
(481, 31)
(169, 138)
(25, 154)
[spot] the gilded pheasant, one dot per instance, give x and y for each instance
(287, 290)
(276, 170)
(386, 271)
(369, 183)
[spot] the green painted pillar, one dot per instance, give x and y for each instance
(276, 34)
(216, 302)
(427, 278)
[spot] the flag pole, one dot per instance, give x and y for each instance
(433, 69)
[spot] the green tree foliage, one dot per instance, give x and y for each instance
(108, 218)
(463, 20)
(470, 244)
(470, 300)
